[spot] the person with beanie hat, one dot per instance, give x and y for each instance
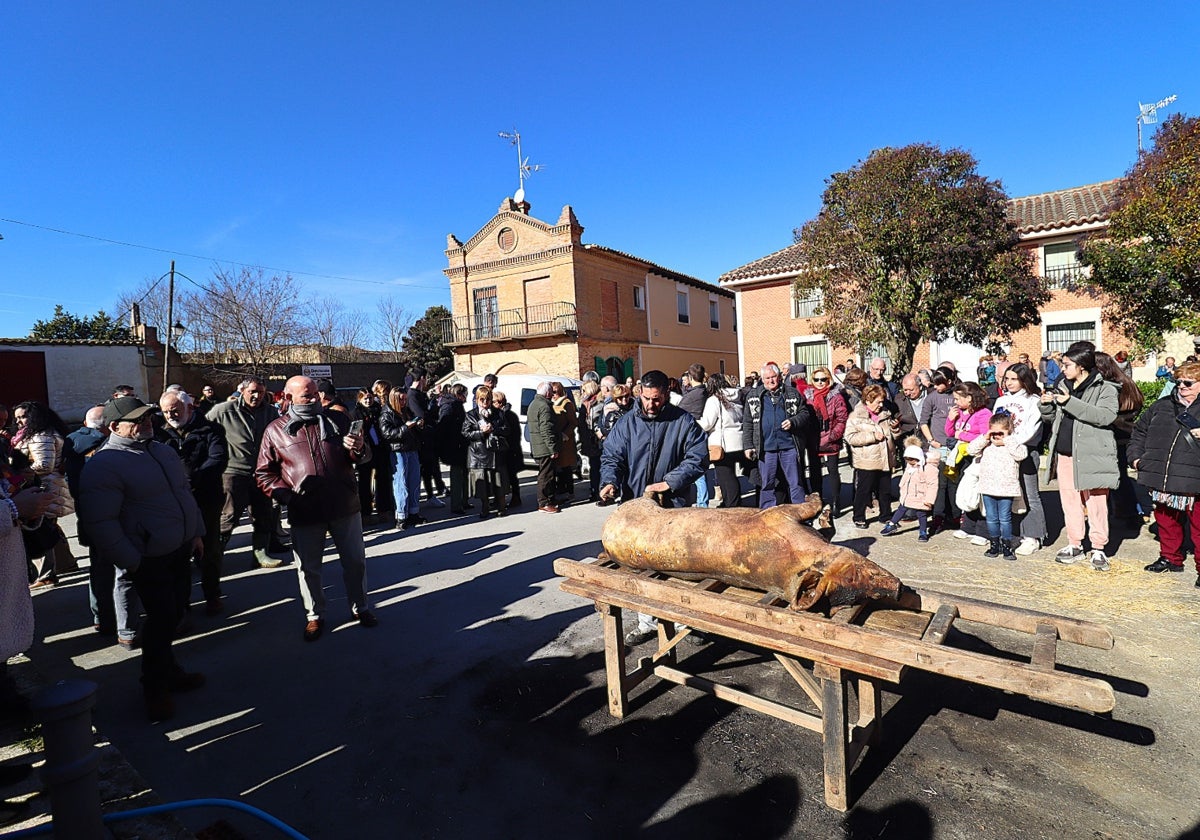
(918, 488)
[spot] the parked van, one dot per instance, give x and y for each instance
(520, 389)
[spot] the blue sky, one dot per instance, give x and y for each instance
(347, 139)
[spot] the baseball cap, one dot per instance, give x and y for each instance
(125, 408)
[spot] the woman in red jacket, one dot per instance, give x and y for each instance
(832, 410)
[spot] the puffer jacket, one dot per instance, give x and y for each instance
(45, 453)
(641, 450)
(723, 423)
(867, 452)
(1092, 407)
(832, 412)
(1160, 451)
(314, 477)
(481, 456)
(918, 488)
(134, 502)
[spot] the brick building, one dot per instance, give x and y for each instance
(1049, 224)
(530, 297)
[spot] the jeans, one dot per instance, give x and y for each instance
(999, 516)
(772, 464)
(308, 541)
(406, 484)
(702, 490)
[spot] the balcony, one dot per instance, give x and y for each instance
(511, 324)
(1068, 277)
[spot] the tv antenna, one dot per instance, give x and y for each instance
(524, 167)
(1148, 115)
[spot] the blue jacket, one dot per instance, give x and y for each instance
(640, 451)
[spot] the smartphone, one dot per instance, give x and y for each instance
(355, 428)
(1187, 420)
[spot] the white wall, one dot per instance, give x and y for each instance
(82, 375)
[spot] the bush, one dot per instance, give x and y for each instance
(1151, 390)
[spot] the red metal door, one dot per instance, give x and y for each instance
(23, 377)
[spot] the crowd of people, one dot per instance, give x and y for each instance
(158, 488)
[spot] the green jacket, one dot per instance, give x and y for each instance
(1093, 408)
(543, 442)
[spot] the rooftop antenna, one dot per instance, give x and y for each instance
(1148, 115)
(524, 168)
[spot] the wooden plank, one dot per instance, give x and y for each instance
(898, 622)
(1076, 631)
(614, 658)
(833, 737)
(791, 632)
(936, 632)
(848, 615)
(1045, 647)
(750, 701)
(802, 678)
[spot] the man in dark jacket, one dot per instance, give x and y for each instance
(427, 417)
(543, 445)
(244, 420)
(780, 431)
(514, 458)
(658, 447)
(307, 463)
(137, 511)
(694, 397)
(202, 448)
(452, 446)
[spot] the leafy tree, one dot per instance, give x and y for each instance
(911, 245)
(1148, 261)
(423, 348)
(67, 327)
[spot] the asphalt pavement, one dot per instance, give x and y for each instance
(477, 707)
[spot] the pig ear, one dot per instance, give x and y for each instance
(808, 590)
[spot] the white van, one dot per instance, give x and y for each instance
(520, 389)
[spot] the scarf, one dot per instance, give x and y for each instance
(302, 415)
(819, 395)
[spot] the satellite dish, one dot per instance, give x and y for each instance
(520, 196)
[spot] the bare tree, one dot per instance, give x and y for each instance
(336, 332)
(151, 298)
(392, 323)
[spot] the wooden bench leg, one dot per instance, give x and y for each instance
(869, 700)
(614, 658)
(834, 718)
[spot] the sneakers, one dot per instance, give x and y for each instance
(889, 529)
(266, 561)
(1068, 555)
(638, 635)
(960, 534)
(862, 526)
(922, 537)
(1028, 546)
(1100, 561)
(436, 502)
(1162, 564)
(978, 540)
(312, 630)
(367, 618)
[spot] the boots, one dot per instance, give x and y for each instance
(1006, 550)
(993, 548)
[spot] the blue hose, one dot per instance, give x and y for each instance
(279, 825)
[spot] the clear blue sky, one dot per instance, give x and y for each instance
(348, 139)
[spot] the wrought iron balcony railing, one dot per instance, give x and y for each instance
(507, 324)
(1069, 277)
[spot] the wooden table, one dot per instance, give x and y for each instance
(848, 656)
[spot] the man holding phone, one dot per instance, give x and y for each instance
(307, 463)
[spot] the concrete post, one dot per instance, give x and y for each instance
(71, 773)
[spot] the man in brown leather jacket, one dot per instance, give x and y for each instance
(307, 463)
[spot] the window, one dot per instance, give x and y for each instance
(1060, 266)
(1061, 336)
(487, 313)
(639, 297)
(681, 302)
(811, 353)
(807, 304)
(714, 314)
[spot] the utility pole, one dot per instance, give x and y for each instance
(168, 329)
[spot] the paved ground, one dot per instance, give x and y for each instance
(477, 707)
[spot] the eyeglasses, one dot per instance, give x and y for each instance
(997, 434)
(820, 379)
(1186, 383)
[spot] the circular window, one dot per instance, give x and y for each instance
(506, 239)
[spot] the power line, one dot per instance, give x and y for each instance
(216, 259)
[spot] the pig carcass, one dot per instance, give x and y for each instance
(770, 550)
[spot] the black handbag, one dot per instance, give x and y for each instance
(40, 540)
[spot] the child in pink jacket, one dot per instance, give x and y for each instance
(918, 488)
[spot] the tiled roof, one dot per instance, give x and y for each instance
(783, 261)
(91, 342)
(1063, 208)
(1031, 213)
(664, 272)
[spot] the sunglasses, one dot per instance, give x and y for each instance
(997, 434)
(820, 379)
(1186, 383)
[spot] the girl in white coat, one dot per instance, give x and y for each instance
(722, 420)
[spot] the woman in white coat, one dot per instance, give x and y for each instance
(722, 420)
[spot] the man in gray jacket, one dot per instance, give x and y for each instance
(139, 514)
(543, 445)
(244, 422)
